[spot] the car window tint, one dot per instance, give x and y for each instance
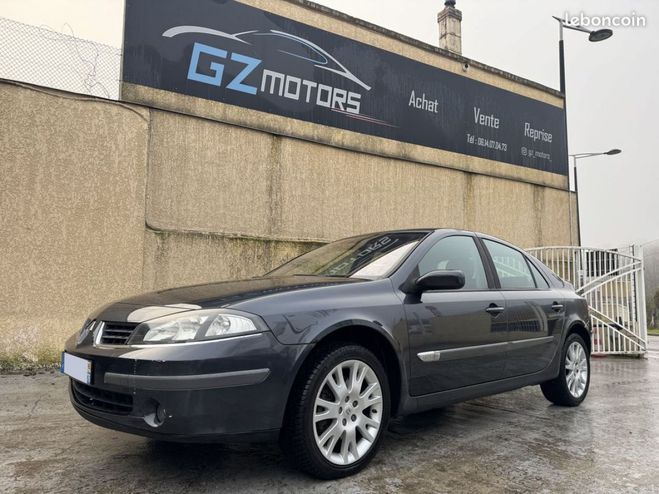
(540, 280)
(459, 253)
(512, 268)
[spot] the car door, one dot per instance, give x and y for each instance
(534, 310)
(457, 338)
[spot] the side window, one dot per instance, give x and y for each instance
(457, 252)
(540, 280)
(512, 268)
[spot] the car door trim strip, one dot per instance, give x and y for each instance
(481, 350)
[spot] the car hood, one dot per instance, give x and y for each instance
(148, 306)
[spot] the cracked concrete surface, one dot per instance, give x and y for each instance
(513, 442)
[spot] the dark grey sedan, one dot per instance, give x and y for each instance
(323, 350)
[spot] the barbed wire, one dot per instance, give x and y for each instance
(43, 56)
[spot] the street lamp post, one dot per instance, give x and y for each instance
(594, 36)
(576, 157)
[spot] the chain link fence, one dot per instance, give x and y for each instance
(45, 57)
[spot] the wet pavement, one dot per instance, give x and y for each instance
(513, 442)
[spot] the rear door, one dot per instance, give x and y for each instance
(457, 338)
(534, 310)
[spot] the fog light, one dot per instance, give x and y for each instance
(155, 414)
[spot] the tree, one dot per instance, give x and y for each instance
(653, 309)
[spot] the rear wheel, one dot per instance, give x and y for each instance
(571, 386)
(338, 412)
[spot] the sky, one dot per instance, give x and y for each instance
(613, 101)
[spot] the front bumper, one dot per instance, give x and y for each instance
(219, 390)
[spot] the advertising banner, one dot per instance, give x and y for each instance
(236, 54)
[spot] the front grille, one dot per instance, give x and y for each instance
(101, 399)
(117, 333)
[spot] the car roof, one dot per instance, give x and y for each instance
(443, 230)
(431, 230)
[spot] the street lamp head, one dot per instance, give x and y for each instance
(610, 152)
(600, 35)
(594, 36)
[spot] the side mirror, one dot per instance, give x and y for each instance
(441, 280)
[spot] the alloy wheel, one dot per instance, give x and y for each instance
(576, 369)
(347, 412)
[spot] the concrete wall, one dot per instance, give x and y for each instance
(100, 200)
(72, 185)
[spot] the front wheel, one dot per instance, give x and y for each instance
(571, 386)
(338, 412)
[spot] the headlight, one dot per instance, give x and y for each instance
(198, 325)
(86, 329)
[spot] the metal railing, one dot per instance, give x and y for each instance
(612, 283)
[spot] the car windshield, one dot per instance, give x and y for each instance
(367, 256)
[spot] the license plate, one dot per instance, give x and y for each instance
(78, 368)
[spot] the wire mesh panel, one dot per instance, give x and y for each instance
(612, 283)
(45, 57)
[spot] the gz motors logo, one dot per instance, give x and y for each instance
(271, 82)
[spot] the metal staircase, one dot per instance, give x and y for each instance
(612, 283)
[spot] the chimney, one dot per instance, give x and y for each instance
(450, 31)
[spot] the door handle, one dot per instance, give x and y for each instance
(494, 309)
(557, 307)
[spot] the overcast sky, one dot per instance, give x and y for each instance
(613, 99)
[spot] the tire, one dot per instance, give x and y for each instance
(570, 388)
(350, 435)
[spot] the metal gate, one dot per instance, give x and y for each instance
(612, 283)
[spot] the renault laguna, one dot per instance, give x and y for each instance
(323, 350)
